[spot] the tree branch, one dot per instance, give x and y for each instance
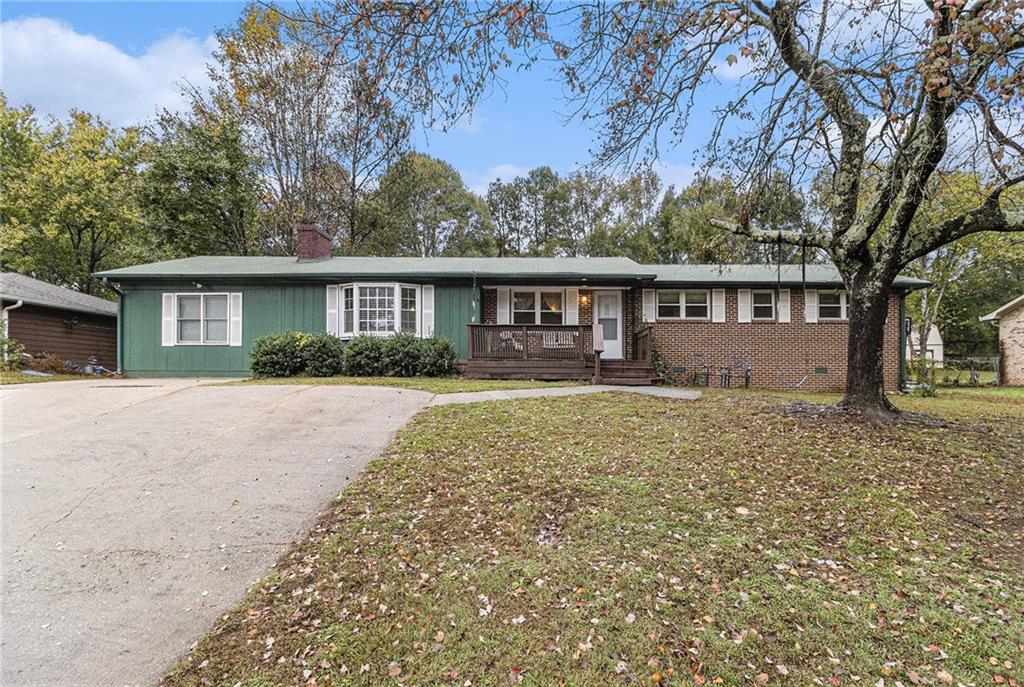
(791, 238)
(988, 216)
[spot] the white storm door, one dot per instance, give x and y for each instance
(608, 314)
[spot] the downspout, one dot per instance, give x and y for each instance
(476, 301)
(120, 314)
(903, 341)
(3, 324)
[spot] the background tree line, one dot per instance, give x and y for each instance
(290, 132)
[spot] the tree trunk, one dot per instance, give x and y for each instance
(868, 307)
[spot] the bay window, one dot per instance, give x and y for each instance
(376, 309)
(379, 309)
(409, 309)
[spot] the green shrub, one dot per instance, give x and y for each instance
(278, 355)
(362, 357)
(323, 355)
(437, 357)
(401, 356)
(14, 351)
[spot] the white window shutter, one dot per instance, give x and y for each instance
(572, 306)
(427, 298)
(718, 305)
(784, 305)
(810, 306)
(504, 316)
(167, 321)
(333, 299)
(235, 325)
(650, 307)
(743, 305)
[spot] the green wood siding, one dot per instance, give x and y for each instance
(455, 306)
(266, 309)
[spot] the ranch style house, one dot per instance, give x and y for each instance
(769, 326)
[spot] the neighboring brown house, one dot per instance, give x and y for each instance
(1010, 320)
(45, 318)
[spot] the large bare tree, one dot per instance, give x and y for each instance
(322, 127)
(866, 98)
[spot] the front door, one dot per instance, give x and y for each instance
(608, 310)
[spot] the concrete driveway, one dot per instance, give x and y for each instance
(137, 511)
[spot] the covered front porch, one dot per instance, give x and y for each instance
(554, 352)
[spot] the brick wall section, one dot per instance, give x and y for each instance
(781, 353)
(488, 306)
(1011, 347)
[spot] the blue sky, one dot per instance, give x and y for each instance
(124, 60)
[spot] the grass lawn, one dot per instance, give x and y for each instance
(19, 378)
(622, 539)
(437, 385)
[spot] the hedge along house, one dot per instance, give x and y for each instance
(508, 317)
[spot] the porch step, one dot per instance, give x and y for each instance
(630, 381)
(623, 364)
(624, 372)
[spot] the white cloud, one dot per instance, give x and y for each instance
(678, 175)
(47, 64)
(740, 67)
(467, 124)
(479, 181)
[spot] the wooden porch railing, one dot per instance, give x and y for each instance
(642, 343)
(530, 342)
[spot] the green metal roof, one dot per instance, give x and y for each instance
(485, 269)
(391, 268)
(759, 275)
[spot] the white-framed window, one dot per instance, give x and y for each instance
(685, 304)
(763, 305)
(696, 305)
(831, 305)
(538, 307)
(379, 309)
(376, 309)
(409, 312)
(669, 305)
(348, 310)
(201, 319)
(688, 304)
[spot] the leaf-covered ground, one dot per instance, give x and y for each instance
(618, 539)
(436, 385)
(8, 377)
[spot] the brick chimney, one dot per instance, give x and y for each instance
(313, 243)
